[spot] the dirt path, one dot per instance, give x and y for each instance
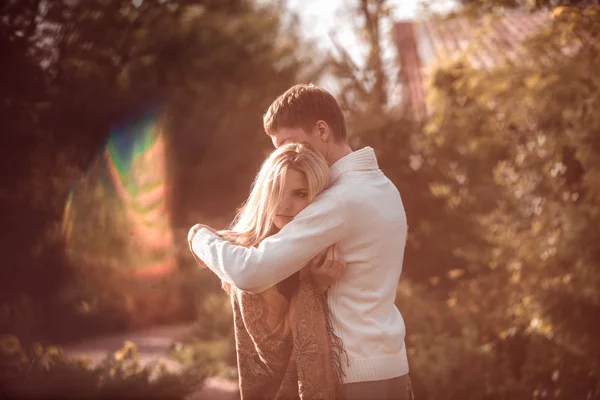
(154, 344)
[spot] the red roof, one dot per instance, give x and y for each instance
(422, 42)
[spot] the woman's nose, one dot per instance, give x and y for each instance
(285, 206)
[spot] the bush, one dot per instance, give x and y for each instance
(41, 372)
(518, 150)
(213, 339)
(218, 353)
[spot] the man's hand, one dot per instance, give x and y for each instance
(192, 232)
(328, 270)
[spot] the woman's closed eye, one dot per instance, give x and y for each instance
(301, 193)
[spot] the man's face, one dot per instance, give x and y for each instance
(298, 135)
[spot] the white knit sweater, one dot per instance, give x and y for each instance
(363, 212)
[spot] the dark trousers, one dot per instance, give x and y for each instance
(389, 389)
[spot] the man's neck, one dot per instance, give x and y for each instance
(338, 152)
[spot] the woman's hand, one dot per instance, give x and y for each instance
(191, 233)
(194, 229)
(325, 271)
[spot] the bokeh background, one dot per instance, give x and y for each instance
(126, 122)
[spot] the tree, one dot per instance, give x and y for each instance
(76, 70)
(482, 7)
(519, 150)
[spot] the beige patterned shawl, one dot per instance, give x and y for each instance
(285, 346)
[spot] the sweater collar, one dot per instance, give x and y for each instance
(359, 160)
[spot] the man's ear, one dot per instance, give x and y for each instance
(323, 131)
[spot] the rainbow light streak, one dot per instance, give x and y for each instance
(134, 162)
(136, 165)
(67, 220)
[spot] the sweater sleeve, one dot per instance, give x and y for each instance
(256, 269)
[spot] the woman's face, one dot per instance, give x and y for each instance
(294, 200)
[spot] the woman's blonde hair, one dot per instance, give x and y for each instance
(254, 220)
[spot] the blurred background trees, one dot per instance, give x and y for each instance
(500, 178)
(519, 148)
(73, 74)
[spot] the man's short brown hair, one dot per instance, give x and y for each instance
(301, 106)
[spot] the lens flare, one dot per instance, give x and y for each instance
(67, 220)
(124, 200)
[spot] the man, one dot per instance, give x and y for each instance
(362, 212)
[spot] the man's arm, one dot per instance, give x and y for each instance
(256, 269)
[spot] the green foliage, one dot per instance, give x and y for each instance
(75, 70)
(46, 373)
(218, 353)
(97, 230)
(518, 152)
(447, 356)
(213, 339)
(482, 7)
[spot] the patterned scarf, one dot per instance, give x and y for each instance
(286, 348)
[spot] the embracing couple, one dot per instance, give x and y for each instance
(312, 262)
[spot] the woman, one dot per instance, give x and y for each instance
(285, 345)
